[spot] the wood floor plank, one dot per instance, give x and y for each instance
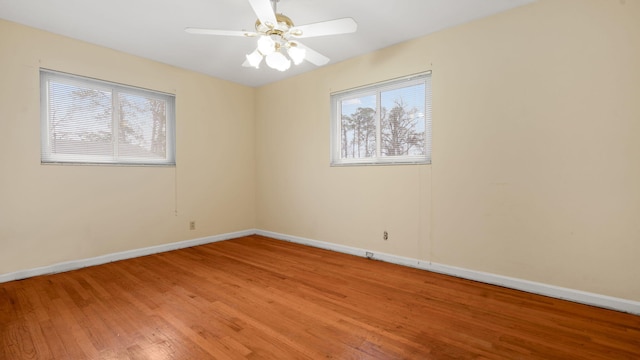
(259, 298)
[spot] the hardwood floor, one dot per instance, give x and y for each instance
(259, 298)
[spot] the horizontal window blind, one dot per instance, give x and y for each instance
(89, 121)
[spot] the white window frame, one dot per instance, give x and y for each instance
(376, 89)
(48, 157)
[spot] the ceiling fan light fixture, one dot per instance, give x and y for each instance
(276, 60)
(277, 32)
(266, 45)
(254, 59)
(296, 53)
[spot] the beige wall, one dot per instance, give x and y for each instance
(535, 173)
(50, 214)
(536, 160)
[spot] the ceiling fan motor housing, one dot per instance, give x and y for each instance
(280, 29)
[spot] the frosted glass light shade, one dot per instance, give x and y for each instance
(278, 61)
(254, 59)
(296, 54)
(266, 45)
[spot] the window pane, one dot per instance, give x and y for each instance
(142, 127)
(384, 123)
(90, 121)
(358, 127)
(403, 121)
(79, 120)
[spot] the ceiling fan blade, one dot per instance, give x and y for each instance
(331, 27)
(313, 56)
(220, 32)
(264, 12)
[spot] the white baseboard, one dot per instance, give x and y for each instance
(578, 296)
(98, 260)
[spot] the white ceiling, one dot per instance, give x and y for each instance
(153, 29)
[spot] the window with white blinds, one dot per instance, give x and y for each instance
(88, 121)
(383, 123)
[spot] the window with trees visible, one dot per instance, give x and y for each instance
(385, 123)
(90, 121)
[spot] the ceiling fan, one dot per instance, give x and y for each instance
(276, 33)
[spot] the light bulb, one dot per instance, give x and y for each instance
(254, 59)
(278, 61)
(296, 53)
(266, 45)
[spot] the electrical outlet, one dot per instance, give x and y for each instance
(192, 225)
(385, 235)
